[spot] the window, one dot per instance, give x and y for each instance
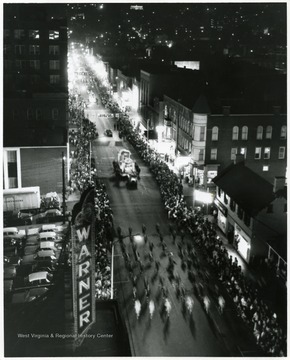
(54, 79)
(267, 151)
(30, 114)
(38, 114)
(232, 205)
(235, 133)
(281, 152)
(269, 132)
(54, 114)
(234, 152)
(265, 167)
(53, 50)
(226, 199)
(213, 154)
(19, 64)
(258, 152)
(34, 64)
(34, 50)
(202, 133)
(247, 219)
(53, 34)
(201, 155)
(11, 158)
(33, 34)
(54, 64)
(283, 133)
(6, 33)
(215, 133)
(260, 132)
(6, 49)
(240, 212)
(19, 49)
(19, 34)
(244, 133)
(243, 151)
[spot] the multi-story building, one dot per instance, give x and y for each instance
(35, 97)
(252, 213)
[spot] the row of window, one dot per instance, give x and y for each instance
(266, 151)
(31, 64)
(32, 49)
(20, 34)
(37, 114)
(244, 133)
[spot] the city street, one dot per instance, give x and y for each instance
(182, 335)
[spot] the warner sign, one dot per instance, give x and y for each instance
(83, 278)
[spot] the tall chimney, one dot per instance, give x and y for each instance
(279, 183)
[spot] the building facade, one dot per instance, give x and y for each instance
(35, 97)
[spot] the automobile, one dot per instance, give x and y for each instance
(32, 240)
(27, 296)
(9, 272)
(12, 260)
(48, 255)
(30, 249)
(39, 278)
(48, 228)
(40, 267)
(12, 232)
(108, 132)
(28, 259)
(47, 245)
(47, 236)
(10, 250)
(51, 213)
(33, 231)
(9, 241)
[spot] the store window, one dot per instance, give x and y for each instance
(283, 133)
(213, 154)
(215, 133)
(244, 133)
(235, 135)
(282, 150)
(258, 152)
(267, 152)
(269, 132)
(260, 132)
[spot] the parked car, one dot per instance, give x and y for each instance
(27, 296)
(12, 260)
(32, 240)
(9, 241)
(10, 250)
(13, 232)
(47, 245)
(47, 236)
(39, 278)
(48, 228)
(108, 133)
(31, 249)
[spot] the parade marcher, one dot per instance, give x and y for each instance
(189, 304)
(206, 303)
(151, 308)
(221, 302)
(137, 306)
(167, 307)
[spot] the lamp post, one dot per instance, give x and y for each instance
(63, 189)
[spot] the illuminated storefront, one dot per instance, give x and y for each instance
(222, 216)
(243, 242)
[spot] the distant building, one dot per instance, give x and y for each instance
(35, 97)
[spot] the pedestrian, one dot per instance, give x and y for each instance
(167, 306)
(151, 246)
(174, 236)
(157, 265)
(158, 228)
(134, 293)
(130, 231)
(161, 238)
(189, 304)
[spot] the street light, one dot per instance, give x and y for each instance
(63, 189)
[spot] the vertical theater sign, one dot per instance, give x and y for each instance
(83, 267)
